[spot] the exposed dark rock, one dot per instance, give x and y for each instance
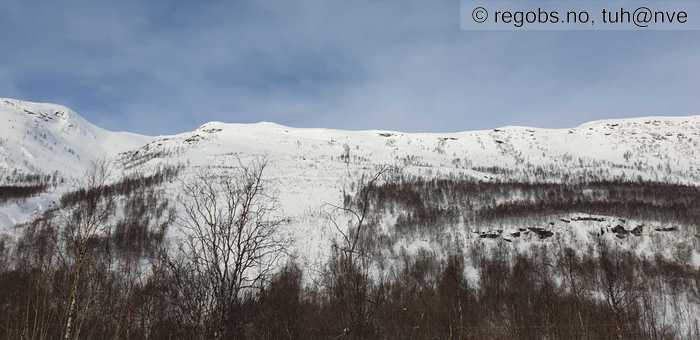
(565, 220)
(541, 232)
(489, 235)
(515, 234)
(620, 230)
(667, 229)
(595, 219)
(638, 230)
(193, 139)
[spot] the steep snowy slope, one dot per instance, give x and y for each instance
(48, 139)
(312, 167)
(38, 138)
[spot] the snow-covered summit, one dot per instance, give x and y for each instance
(45, 138)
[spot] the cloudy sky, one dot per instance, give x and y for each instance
(161, 67)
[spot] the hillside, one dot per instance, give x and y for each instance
(584, 232)
(39, 138)
(310, 168)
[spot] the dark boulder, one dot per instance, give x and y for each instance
(541, 232)
(620, 230)
(638, 230)
(667, 229)
(594, 219)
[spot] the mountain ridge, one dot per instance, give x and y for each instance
(49, 112)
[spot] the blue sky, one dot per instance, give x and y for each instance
(161, 67)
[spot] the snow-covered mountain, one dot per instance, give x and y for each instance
(311, 167)
(46, 138)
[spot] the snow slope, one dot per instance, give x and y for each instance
(312, 167)
(49, 139)
(46, 138)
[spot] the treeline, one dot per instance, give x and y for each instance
(569, 169)
(17, 186)
(420, 202)
(19, 192)
(17, 177)
(124, 186)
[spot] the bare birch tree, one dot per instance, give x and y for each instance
(233, 240)
(84, 220)
(348, 273)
